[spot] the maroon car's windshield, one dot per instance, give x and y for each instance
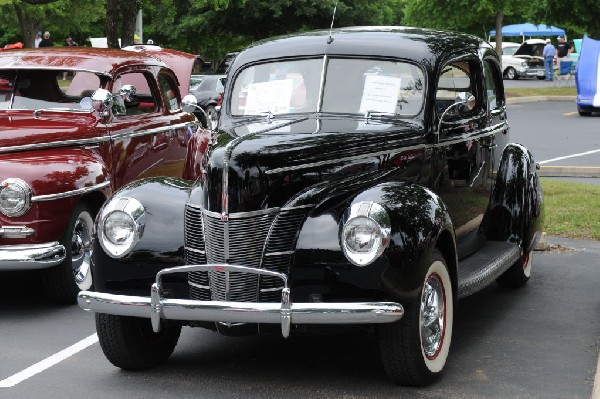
(46, 89)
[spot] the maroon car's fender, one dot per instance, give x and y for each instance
(58, 178)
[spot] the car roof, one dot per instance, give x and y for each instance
(101, 61)
(421, 45)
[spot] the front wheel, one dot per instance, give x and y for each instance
(62, 283)
(511, 73)
(131, 344)
(414, 349)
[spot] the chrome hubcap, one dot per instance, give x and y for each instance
(433, 316)
(81, 249)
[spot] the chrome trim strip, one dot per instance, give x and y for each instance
(31, 256)
(153, 130)
(251, 213)
(81, 191)
(198, 251)
(344, 159)
(93, 140)
(279, 253)
(64, 143)
(271, 289)
(322, 84)
(204, 287)
(16, 231)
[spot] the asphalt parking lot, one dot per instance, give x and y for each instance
(536, 342)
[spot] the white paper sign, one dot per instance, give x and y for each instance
(380, 94)
(273, 96)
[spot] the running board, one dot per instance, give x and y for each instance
(483, 267)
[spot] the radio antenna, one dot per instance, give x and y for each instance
(330, 40)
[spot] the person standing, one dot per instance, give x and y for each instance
(563, 50)
(37, 40)
(46, 42)
(549, 54)
(70, 42)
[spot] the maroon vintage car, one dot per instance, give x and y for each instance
(75, 125)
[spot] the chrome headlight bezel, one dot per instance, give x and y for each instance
(373, 219)
(25, 193)
(133, 212)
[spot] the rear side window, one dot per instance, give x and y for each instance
(143, 102)
(169, 93)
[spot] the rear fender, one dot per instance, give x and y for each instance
(515, 210)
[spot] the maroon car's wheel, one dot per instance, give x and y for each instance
(414, 350)
(63, 282)
(130, 343)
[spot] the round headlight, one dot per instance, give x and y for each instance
(365, 232)
(121, 226)
(15, 197)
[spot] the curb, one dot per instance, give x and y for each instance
(569, 171)
(533, 99)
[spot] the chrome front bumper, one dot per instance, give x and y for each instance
(31, 256)
(285, 313)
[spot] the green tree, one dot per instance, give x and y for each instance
(577, 16)
(471, 16)
(21, 19)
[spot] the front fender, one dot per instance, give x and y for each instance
(162, 242)
(57, 178)
(419, 219)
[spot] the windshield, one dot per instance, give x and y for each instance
(509, 50)
(352, 86)
(46, 89)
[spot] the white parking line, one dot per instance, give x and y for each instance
(569, 156)
(48, 362)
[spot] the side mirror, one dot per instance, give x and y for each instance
(128, 93)
(102, 101)
(461, 105)
(189, 103)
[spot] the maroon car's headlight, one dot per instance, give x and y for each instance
(15, 197)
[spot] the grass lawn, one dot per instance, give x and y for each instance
(540, 91)
(571, 209)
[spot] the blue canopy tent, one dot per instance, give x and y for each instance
(529, 29)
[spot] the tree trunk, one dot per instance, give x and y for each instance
(112, 22)
(129, 10)
(499, 17)
(26, 25)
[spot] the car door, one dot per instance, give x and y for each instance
(465, 142)
(144, 131)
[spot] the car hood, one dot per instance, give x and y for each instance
(181, 63)
(288, 162)
(530, 50)
(23, 130)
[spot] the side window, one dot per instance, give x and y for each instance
(169, 92)
(143, 102)
(494, 94)
(456, 84)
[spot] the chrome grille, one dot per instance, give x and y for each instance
(257, 239)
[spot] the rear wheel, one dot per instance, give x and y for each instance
(131, 344)
(62, 283)
(518, 274)
(414, 349)
(583, 112)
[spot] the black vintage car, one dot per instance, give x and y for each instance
(361, 178)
